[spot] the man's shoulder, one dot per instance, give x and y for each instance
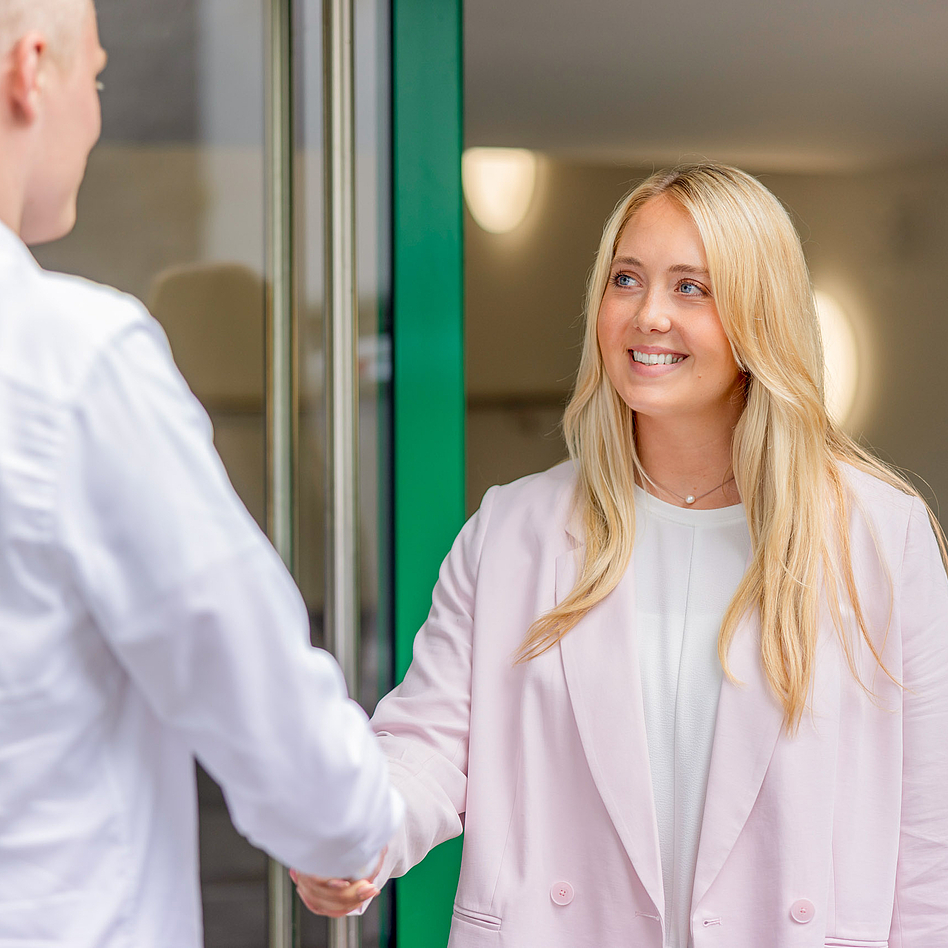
(54, 326)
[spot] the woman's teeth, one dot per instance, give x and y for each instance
(655, 358)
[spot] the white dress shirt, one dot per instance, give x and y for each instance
(144, 620)
(688, 564)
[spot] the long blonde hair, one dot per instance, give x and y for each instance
(786, 451)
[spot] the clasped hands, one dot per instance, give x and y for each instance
(336, 897)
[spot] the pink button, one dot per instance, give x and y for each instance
(561, 893)
(802, 911)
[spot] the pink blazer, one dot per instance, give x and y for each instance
(836, 837)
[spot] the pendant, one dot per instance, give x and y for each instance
(690, 499)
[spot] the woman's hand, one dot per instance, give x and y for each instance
(335, 897)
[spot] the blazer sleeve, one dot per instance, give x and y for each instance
(424, 724)
(920, 917)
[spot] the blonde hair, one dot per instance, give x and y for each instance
(58, 19)
(786, 451)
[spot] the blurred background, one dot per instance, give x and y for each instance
(840, 107)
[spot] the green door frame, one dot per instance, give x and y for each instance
(428, 369)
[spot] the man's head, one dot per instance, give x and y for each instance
(50, 59)
(58, 20)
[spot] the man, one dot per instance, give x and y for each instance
(144, 620)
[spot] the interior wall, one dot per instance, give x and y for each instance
(877, 240)
(523, 316)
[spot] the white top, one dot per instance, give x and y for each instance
(688, 564)
(145, 620)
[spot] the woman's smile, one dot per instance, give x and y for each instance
(652, 357)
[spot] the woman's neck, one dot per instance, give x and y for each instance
(688, 461)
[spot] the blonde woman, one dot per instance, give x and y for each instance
(691, 687)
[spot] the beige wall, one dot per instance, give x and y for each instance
(877, 240)
(523, 306)
(127, 233)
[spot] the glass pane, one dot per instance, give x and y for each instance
(373, 197)
(311, 250)
(172, 210)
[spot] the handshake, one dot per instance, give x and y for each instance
(336, 897)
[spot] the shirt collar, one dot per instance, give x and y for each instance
(12, 248)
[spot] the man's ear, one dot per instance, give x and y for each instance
(26, 65)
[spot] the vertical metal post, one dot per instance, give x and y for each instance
(342, 336)
(281, 360)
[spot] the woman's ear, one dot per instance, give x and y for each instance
(26, 67)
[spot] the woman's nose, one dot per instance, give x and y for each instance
(652, 315)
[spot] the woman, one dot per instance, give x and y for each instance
(690, 688)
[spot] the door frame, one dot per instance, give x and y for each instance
(428, 368)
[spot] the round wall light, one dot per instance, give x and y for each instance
(498, 186)
(840, 356)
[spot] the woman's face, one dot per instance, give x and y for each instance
(662, 342)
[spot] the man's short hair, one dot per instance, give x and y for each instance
(58, 19)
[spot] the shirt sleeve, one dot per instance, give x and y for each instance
(198, 608)
(920, 919)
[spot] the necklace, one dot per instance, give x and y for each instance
(692, 498)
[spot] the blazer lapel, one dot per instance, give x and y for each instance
(749, 722)
(602, 677)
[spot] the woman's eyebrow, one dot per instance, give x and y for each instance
(675, 268)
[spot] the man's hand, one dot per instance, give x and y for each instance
(335, 897)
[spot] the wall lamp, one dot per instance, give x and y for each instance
(498, 186)
(840, 356)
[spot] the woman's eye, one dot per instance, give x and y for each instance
(691, 289)
(623, 279)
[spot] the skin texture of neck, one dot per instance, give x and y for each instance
(689, 456)
(12, 177)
